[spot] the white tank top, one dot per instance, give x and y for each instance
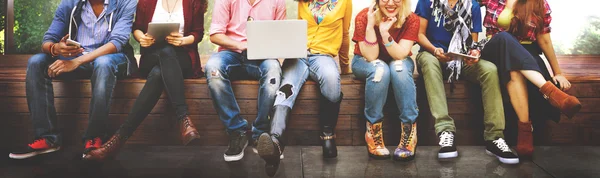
(161, 15)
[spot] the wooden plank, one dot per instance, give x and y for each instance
(130, 90)
(196, 106)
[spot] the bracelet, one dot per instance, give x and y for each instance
(52, 50)
(389, 43)
(370, 43)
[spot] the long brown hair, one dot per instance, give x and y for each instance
(528, 14)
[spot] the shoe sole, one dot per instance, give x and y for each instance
(574, 111)
(504, 160)
(32, 154)
(378, 157)
(256, 152)
(410, 158)
(230, 158)
(266, 151)
(192, 138)
(266, 148)
(447, 155)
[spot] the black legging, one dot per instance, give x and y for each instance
(165, 67)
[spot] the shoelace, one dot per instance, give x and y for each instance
(186, 123)
(377, 137)
(500, 143)
(446, 139)
(407, 136)
(35, 142)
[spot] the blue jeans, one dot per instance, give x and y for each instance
(103, 72)
(376, 92)
(228, 65)
(320, 68)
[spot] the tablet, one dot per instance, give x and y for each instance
(160, 30)
(455, 54)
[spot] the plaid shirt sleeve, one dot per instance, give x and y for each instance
(547, 18)
(492, 9)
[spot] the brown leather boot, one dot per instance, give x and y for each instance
(188, 130)
(525, 140)
(107, 151)
(568, 105)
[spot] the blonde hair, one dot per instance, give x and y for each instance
(402, 14)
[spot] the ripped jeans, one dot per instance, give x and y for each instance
(228, 65)
(396, 74)
(320, 68)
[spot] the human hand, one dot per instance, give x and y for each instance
(371, 15)
(146, 40)
(471, 61)
(563, 83)
(386, 24)
(62, 66)
(439, 54)
(61, 48)
(176, 39)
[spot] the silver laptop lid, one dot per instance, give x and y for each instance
(276, 39)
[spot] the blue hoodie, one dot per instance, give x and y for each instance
(121, 20)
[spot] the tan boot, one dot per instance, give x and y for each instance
(568, 105)
(374, 139)
(525, 140)
(407, 148)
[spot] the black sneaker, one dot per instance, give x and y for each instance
(499, 149)
(237, 144)
(448, 149)
(38, 146)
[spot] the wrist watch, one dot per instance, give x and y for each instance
(391, 41)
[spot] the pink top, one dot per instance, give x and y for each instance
(230, 16)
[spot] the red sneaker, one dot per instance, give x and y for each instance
(93, 143)
(38, 146)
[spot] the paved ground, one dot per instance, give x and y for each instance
(303, 161)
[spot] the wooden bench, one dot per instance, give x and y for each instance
(73, 97)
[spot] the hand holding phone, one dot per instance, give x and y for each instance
(73, 43)
(67, 47)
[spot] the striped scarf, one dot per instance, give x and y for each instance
(459, 22)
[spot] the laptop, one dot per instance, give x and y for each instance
(267, 39)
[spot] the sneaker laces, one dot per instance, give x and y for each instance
(501, 144)
(446, 139)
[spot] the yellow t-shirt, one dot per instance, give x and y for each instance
(504, 18)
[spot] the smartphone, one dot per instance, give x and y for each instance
(73, 43)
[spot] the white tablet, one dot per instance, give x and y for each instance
(455, 54)
(160, 30)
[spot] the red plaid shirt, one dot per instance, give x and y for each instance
(493, 10)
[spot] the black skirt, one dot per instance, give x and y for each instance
(509, 54)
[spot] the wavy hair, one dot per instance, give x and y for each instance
(528, 15)
(402, 14)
